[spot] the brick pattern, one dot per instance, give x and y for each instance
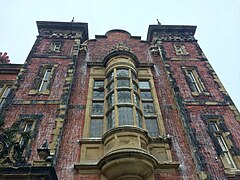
(193, 108)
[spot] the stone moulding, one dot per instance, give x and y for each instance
(125, 150)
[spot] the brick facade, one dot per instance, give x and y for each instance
(59, 113)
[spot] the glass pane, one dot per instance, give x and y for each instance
(96, 127)
(28, 127)
(98, 84)
(135, 87)
(111, 119)
(110, 100)
(44, 86)
(98, 94)
(222, 143)
(110, 86)
(125, 116)
(6, 92)
(97, 108)
(146, 94)
(47, 74)
(213, 126)
(144, 85)
(139, 119)
(1, 88)
(123, 83)
(148, 108)
(124, 97)
(110, 76)
(122, 73)
(136, 100)
(134, 77)
(152, 127)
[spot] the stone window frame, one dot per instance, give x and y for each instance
(195, 82)
(24, 120)
(39, 79)
(180, 49)
(101, 73)
(5, 90)
(220, 136)
(56, 46)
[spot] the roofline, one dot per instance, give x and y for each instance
(73, 26)
(170, 29)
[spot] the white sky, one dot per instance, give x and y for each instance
(217, 21)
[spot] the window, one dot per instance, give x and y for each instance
(4, 91)
(97, 113)
(180, 49)
(218, 136)
(148, 108)
(56, 46)
(27, 128)
(194, 81)
(45, 80)
(121, 98)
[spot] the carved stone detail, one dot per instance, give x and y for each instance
(10, 153)
(62, 35)
(120, 47)
(173, 37)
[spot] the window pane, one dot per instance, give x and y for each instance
(98, 94)
(134, 77)
(98, 84)
(44, 86)
(213, 126)
(139, 119)
(97, 108)
(47, 74)
(110, 86)
(1, 88)
(152, 127)
(6, 92)
(122, 73)
(221, 143)
(136, 100)
(96, 126)
(111, 119)
(124, 97)
(123, 83)
(28, 127)
(144, 85)
(125, 116)
(110, 76)
(146, 94)
(148, 109)
(111, 100)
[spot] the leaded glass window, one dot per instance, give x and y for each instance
(122, 73)
(125, 116)
(124, 97)
(96, 126)
(152, 127)
(123, 83)
(111, 119)
(97, 108)
(144, 85)
(148, 108)
(146, 94)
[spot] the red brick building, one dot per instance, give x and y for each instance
(116, 107)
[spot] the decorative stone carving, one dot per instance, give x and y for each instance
(120, 47)
(173, 36)
(62, 35)
(10, 153)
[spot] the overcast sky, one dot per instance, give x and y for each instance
(217, 21)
